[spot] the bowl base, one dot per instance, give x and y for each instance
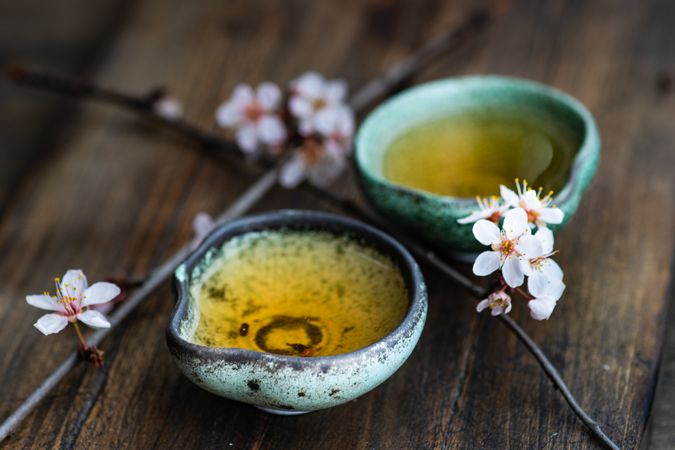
(282, 412)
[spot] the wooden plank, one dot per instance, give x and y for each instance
(660, 434)
(71, 36)
(130, 193)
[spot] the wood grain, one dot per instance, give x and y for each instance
(30, 123)
(116, 197)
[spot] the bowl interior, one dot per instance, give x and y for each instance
(558, 113)
(188, 317)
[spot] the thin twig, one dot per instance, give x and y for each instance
(143, 105)
(396, 77)
(557, 380)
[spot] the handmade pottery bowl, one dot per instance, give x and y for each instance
(434, 217)
(293, 384)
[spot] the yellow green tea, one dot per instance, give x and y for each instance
(300, 293)
(472, 154)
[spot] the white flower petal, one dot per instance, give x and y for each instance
(537, 285)
(541, 285)
(271, 130)
(310, 84)
(551, 215)
(529, 247)
(473, 217)
(269, 96)
(526, 266)
(515, 223)
(486, 232)
(556, 288)
(336, 123)
(486, 263)
(51, 323)
(513, 274)
(306, 127)
(101, 292)
(293, 172)
(482, 305)
(242, 95)
(541, 308)
(326, 120)
(545, 237)
(202, 224)
(94, 319)
(229, 115)
(300, 107)
(44, 302)
(168, 108)
(73, 283)
(497, 310)
(551, 269)
(247, 138)
(335, 90)
(531, 200)
(510, 197)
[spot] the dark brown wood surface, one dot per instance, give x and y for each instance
(102, 192)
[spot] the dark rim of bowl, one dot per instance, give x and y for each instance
(582, 158)
(310, 221)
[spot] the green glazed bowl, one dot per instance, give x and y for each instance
(283, 384)
(434, 217)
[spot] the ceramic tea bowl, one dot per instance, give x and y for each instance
(434, 217)
(292, 384)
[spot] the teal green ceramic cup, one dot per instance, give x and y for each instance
(433, 217)
(283, 384)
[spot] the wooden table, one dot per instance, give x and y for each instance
(87, 186)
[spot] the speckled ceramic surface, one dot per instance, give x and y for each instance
(290, 384)
(434, 217)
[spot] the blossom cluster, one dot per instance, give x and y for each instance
(521, 248)
(312, 120)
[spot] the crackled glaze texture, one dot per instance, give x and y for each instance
(434, 217)
(288, 384)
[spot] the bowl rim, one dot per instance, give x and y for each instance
(582, 164)
(297, 219)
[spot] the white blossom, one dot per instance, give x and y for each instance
(539, 212)
(202, 224)
(254, 115)
(491, 209)
(508, 246)
(72, 302)
(168, 107)
(311, 97)
(546, 293)
(322, 161)
(499, 302)
(540, 264)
